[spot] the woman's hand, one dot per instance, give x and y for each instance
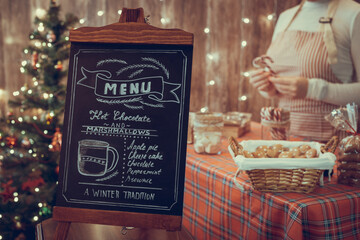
(293, 87)
(259, 79)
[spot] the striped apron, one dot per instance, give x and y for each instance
(299, 53)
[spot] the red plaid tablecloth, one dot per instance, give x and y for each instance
(215, 208)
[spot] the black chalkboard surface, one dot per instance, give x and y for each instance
(125, 129)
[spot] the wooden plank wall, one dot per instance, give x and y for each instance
(219, 56)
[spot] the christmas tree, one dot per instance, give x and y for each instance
(30, 136)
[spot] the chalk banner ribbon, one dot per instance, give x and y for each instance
(154, 87)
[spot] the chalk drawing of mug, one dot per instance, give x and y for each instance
(93, 158)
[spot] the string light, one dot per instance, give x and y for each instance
(26, 51)
(82, 21)
(206, 30)
(211, 82)
(16, 93)
(40, 13)
(22, 69)
(204, 109)
(119, 12)
(243, 43)
(35, 218)
(23, 63)
(243, 98)
(37, 189)
(100, 13)
(246, 74)
(41, 27)
(12, 151)
(271, 16)
(246, 20)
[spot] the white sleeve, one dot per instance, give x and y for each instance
(340, 94)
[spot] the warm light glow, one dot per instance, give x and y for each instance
(246, 74)
(29, 91)
(35, 117)
(12, 151)
(16, 93)
(38, 44)
(37, 189)
(23, 88)
(206, 30)
(67, 38)
(23, 63)
(243, 43)
(46, 95)
(49, 45)
(212, 82)
(15, 194)
(16, 199)
(270, 17)
(46, 132)
(20, 119)
(100, 13)
(22, 70)
(82, 21)
(246, 20)
(36, 218)
(119, 12)
(40, 204)
(26, 51)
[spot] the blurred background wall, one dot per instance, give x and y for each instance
(228, 35)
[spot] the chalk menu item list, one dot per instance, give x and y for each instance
(125, 128)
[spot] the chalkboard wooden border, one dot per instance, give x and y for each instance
(131, 29)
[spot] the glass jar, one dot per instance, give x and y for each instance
(275, 123)
(208, 132)
(274, 131)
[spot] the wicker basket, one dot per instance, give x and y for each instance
(302, 180)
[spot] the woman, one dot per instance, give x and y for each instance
(315, 54)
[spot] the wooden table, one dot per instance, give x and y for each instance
(83, 231)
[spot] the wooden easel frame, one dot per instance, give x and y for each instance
(132, 29)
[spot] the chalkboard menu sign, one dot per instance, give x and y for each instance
(125, 128)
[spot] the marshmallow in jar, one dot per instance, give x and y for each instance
(208, 133)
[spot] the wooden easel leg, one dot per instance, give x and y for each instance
(62, 230)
